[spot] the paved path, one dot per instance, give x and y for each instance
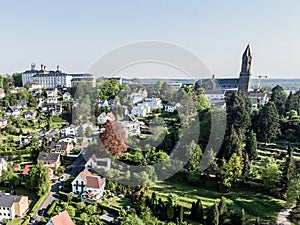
(282, 218)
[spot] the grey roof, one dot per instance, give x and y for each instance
(7, 200)
(48, 157)
(221, 81)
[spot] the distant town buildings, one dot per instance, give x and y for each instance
(53, 79)
(231, 84)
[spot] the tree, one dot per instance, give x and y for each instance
(279, 98)
(132, 219)
(223, 210)
(251, 145)
(271, 175)
(80, 205)
(195, 154)
(90, 209)
(85, 218)
(197, 211)
(17, 79)
(268, 123)
(288, 168)
(88, 131)
(293, 192)
(39, 179)
(71, 210)
(114, 138)
(231, 171)
(213, 215)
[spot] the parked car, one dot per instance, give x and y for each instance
(33, 219)
(62, 178)
(41, 212)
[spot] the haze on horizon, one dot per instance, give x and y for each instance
(76, 34)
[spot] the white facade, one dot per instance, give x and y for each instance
(7, 212)
(66, 96)
(96, 163)
(170, 107)
(3, 165)
(86, 183)
(52, 79)
(13, 111)
(52, 99)
(140, 110)
(103, 117)
(154, 103)
(68, 131)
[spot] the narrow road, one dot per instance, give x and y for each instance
(282, 218)
(53, 194)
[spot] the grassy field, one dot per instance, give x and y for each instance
(254, 204)
(16, 221)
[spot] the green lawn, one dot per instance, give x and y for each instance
(254, 204)
(16, 221)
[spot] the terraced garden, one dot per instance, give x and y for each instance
(254, 204)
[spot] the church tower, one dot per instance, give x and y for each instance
(244, 79)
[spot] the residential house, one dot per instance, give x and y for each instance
(114, 102)
(52, 99)
(53, 109)
(140, 110)
(12, 206)
(103, 117)
(98, 164)
(85, 182)
(51, 160)
(103, 103)
(214, 95)
(154, 103)
(13, 111)
(69, 131)
(24, 140)
(171, 107)
(130, 125)
(137, 95)
(61, 147)
(2, 93)
(67, 97)
(63, 218)
(3, 165)
(3, 122)
(21, 104)
(30, 114)
(52, 92)
(258, 98)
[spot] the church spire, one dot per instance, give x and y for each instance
(246, 62)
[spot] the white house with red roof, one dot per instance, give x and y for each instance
(62, 218)
(86, 183)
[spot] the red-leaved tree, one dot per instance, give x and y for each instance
(114, 138)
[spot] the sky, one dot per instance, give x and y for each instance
(74, 34)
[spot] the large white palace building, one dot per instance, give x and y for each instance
(52, 79)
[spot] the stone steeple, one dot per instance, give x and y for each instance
(245, 74)
(246, 62)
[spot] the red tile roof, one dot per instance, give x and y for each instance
(84, 174)
(94, 182)
(62, 218)
(26, 170)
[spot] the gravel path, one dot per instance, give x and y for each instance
(282, 218)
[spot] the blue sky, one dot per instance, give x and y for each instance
(76, 33)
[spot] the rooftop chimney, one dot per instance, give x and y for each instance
(33, 66)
